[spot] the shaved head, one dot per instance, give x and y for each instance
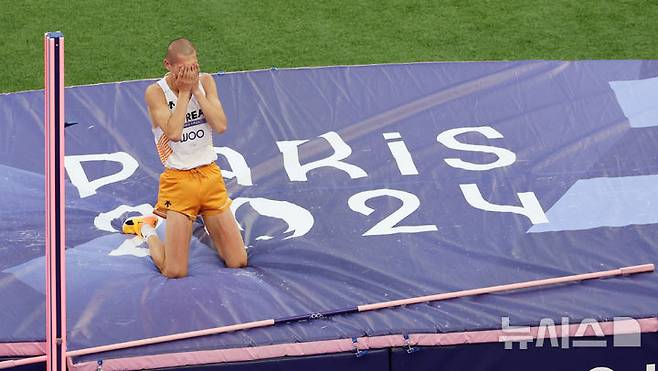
(180, 48)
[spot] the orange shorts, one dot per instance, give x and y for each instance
(192, 192)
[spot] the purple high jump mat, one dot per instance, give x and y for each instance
(355, 185)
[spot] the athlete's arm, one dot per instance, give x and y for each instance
(210, 104)
(170, 123)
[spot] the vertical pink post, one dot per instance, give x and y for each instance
(55, 205)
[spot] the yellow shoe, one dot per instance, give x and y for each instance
(133, 225)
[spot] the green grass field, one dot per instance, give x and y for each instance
(124, 40)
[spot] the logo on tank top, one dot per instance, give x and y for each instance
(193, 115)
(192, 135)
(192, 118)
(190, 115)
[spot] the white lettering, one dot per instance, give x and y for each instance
(297, 172)
(447, 138)
(531, 207)
(410, 203)
(239, 167)
(401, 154)
(88, 188)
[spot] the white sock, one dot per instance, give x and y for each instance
(148, 231)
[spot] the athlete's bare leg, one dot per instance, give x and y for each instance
(171, 257)
(226, 236)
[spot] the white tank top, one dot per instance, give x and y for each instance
(195, 147)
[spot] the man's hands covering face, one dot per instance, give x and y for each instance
(187, 77)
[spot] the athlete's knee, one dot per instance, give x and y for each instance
(239, 261)
(174, 272)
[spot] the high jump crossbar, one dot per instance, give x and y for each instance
(624, 271)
